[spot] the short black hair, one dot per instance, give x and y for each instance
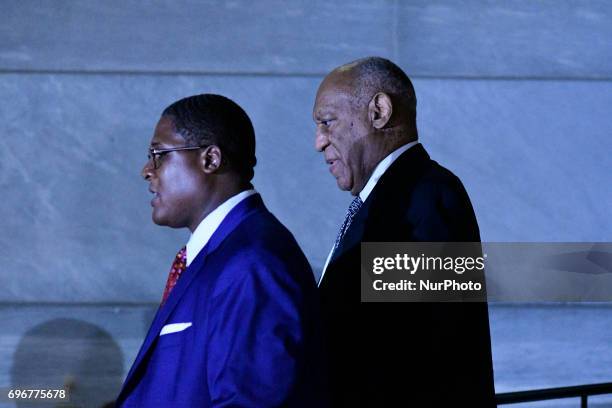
(210, 119)
(376, 74)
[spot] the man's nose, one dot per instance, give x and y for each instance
(321, 141)
(147, 170)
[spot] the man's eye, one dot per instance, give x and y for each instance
(154, 156)
(326, 123)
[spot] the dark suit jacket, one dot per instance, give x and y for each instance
(251, 300)
(406, 354)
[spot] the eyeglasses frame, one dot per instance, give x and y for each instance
(153, 152)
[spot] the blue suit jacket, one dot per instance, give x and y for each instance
(250, 297)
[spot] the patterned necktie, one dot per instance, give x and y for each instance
(350, 214)
(178, 266)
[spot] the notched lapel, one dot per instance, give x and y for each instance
(164, 312)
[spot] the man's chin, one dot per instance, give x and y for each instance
(343, 184)
(158, 218)
(158, 222)
(164, 221)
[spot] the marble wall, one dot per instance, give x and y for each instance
(513, 98)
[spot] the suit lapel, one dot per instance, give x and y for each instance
(239, 213)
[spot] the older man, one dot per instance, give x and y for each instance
(237, 324)
(394, 354)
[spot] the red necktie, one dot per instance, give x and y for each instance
(178, 266)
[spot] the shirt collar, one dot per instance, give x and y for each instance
(210, 223)
(382, 167)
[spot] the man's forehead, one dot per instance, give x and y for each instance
(338, 79)
(164, 133)
(332, 94)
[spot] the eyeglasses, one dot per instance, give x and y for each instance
(156, 155)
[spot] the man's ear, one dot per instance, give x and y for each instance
(210, 159)
(380, 110)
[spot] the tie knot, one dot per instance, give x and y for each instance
(355, 204)
(350, 214)
(181, 255)
(178, 267)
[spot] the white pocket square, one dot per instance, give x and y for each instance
(174, 327)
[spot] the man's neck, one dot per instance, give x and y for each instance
(218, 197)
(382, 167)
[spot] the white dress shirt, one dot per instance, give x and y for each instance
(380, 169)
(210, 223)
